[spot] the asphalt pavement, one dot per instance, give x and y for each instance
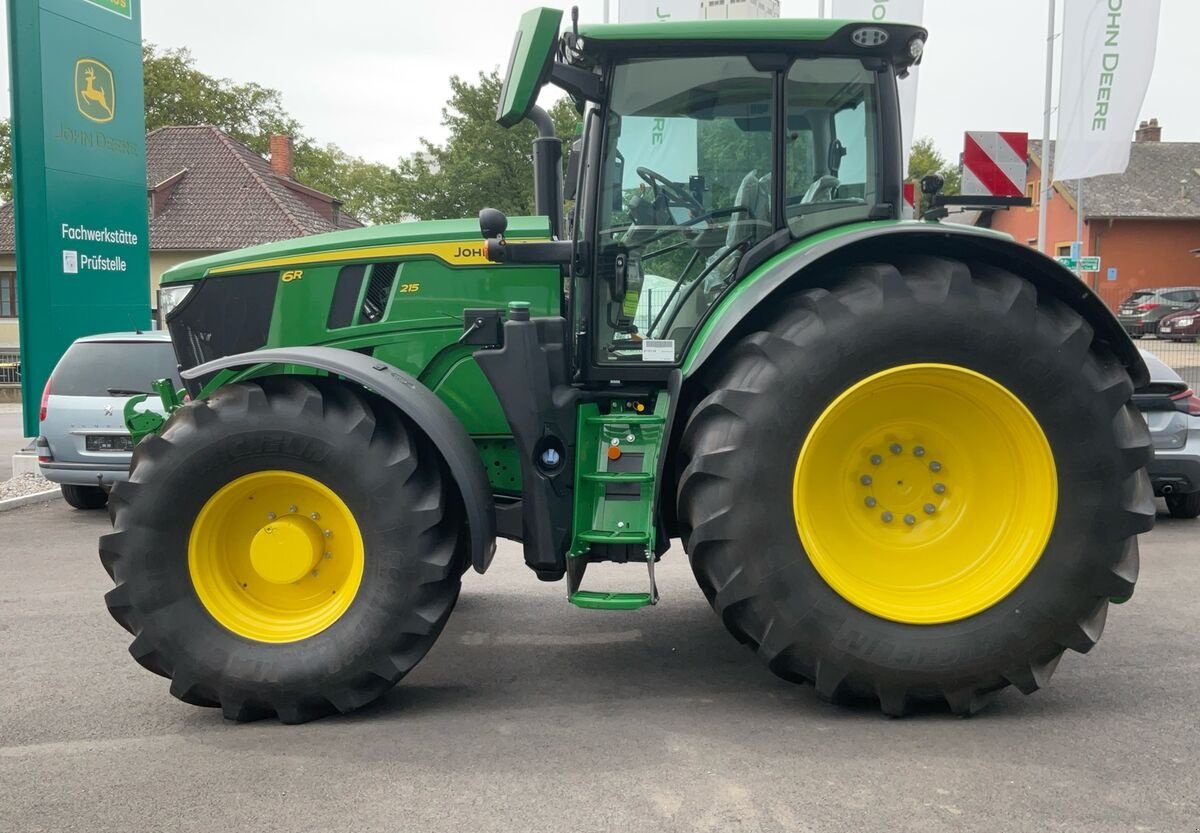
(12, 437)
(531, 715)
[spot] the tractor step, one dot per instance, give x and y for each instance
(614, 519)
(603, 536)
(596, 600)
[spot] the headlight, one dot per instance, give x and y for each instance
(1185, 322)
(169, 297)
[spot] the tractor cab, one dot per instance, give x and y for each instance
(706, 148)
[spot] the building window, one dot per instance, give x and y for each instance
(1063, 250)
(1031, 191)
(8, 294)
(1031, 242)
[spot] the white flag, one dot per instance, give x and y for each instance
(668, 146)
(1107, 58)
(891, 11)
(649, 11)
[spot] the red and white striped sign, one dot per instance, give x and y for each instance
(910, 201)
(994, 163)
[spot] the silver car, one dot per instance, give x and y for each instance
(1172, 410)
(83, 443)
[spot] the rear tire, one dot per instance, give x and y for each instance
(188, 622)
(769, 390)
(84, 497)
(1184, 506)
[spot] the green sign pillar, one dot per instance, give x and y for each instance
(79, 177)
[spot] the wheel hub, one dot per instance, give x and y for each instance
(286, 550)
(925, 493)
(904, 483)
(275, 556)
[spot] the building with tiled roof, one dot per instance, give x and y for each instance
(1144, 224)
(207, 193)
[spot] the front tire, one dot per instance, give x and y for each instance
(838, 572)
(288, 547)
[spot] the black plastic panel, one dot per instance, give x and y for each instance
(345, 296)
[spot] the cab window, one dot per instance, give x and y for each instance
(686, 190)
(831, 149)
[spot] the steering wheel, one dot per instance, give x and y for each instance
(675, 193)
(821, 191)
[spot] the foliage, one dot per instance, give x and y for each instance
(924, 159)
(5, 160)
(177, 94)
(481, 164)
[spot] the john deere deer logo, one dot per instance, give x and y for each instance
(95, 91)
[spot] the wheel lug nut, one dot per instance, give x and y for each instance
(870, 501)
(876, 459)
(887, 517)
(930, 509)
(910, 520)
(865, 480)
(939, 488)
(270, 516)
(919, 451)
(314, 573)
(329, 533)
(615, 441)
(315, 516)
(935, 466)
(328, 556)
(292, 509)
(896, 448)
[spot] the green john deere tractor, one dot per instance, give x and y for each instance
(899, 454)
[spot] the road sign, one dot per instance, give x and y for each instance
(79, 166)
(1081, 264)
(994, 164)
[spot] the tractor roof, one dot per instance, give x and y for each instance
(788, 35)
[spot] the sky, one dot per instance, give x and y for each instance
(372, 75)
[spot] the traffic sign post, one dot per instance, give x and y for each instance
(1080, 264)
(79, 177)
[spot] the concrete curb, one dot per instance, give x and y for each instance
(27, 500)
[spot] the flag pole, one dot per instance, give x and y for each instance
(606, 4)
(1079, 218)
(1044, 190)
(821, 9)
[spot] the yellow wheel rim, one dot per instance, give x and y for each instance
(925, 493)
(275, 556)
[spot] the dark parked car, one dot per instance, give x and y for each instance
(1180, 326)
(1142, 311)
(1172, 412)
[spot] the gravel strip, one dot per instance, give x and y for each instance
(24, 484)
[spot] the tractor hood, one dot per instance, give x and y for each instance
(457, 242)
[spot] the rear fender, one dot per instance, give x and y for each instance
(418, 403)
(808, 263)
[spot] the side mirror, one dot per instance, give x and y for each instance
(492, 223)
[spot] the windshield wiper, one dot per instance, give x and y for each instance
(125, 392)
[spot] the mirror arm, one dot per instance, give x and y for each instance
(579, 83)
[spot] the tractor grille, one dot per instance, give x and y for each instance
(223, 316)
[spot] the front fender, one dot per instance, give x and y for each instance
(418, 403)
(807, 263)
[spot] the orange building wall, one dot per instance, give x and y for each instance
(1147, 253)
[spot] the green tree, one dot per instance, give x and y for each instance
(178, 93)
(481, 164)
(5, 160)
(924, 159)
